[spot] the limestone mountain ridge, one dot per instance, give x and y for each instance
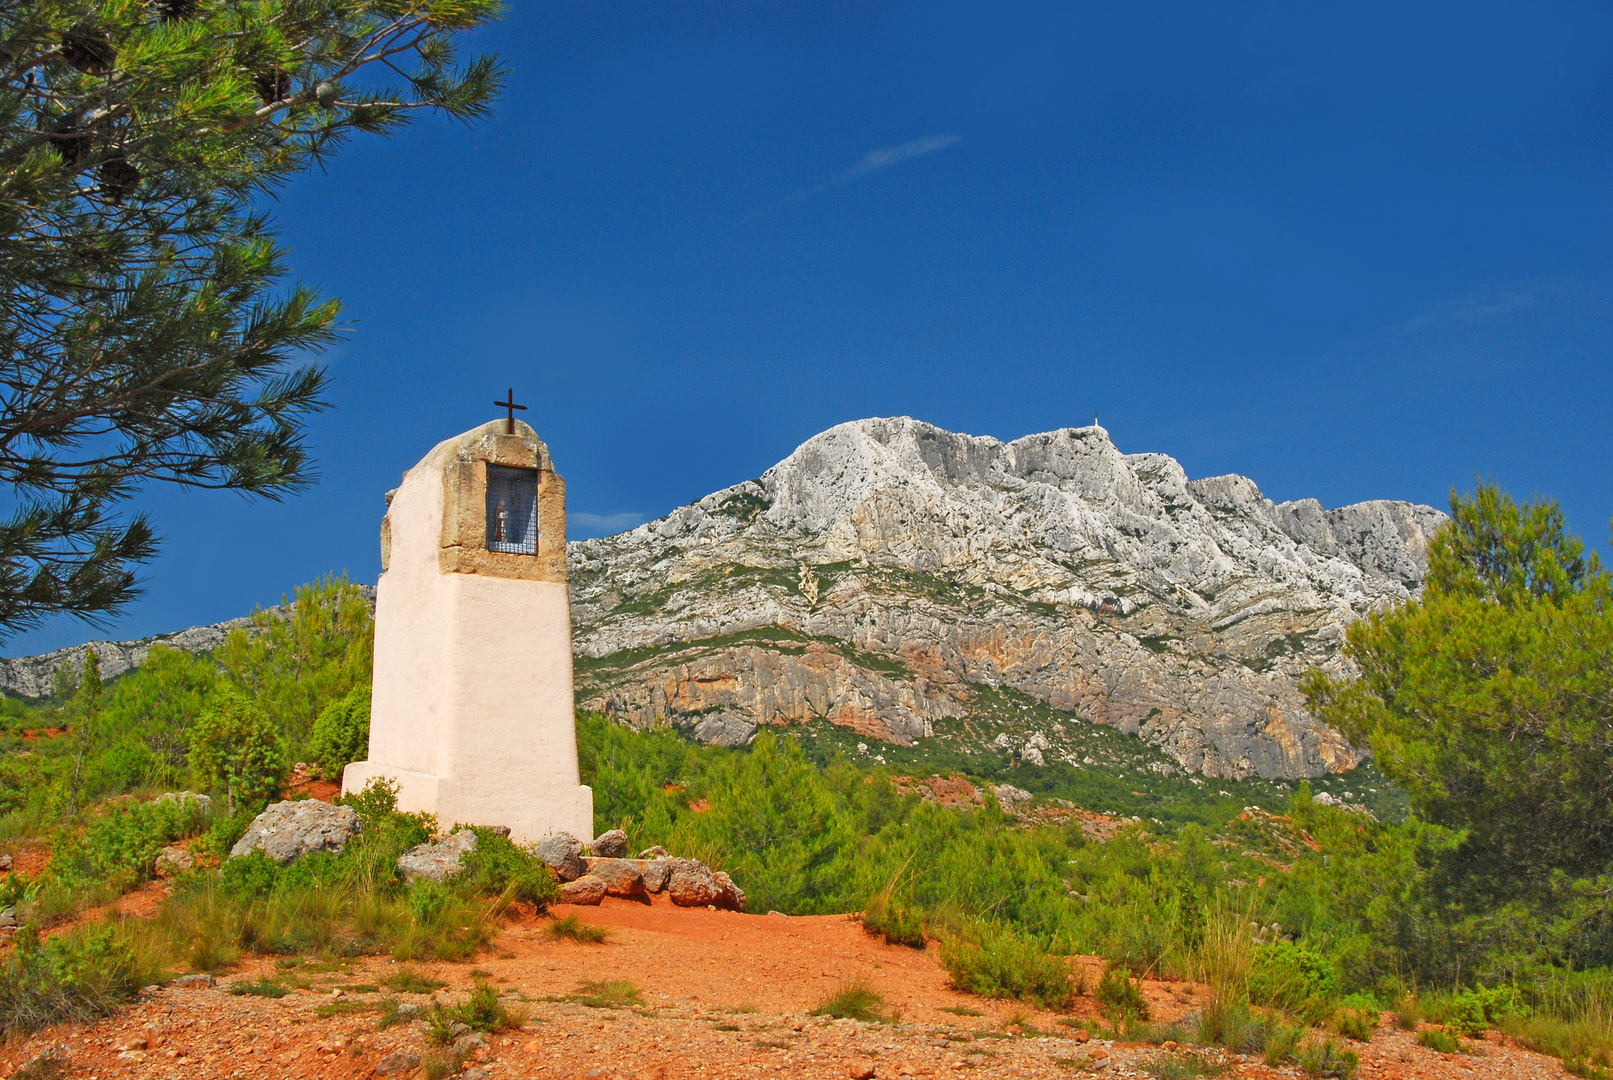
(912, 583)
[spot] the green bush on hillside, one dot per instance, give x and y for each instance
(78, 976)
(995, 961)
(1286, 974)
(234, 746)
(120, 847)
(341, 734)
(1120, 996)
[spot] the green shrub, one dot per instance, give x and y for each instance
(1001, 963)
(483, 1011)
(1287, 975)
(342, 733)
(248, 877)
(1438, 1039)
(120, 847)
(852, 1001)
(894, 921)
(85, 973)
(1325, 1058)
(497, 867)
(1119, 995)
(300, 657)
(1473, 1011)
(233, 745)
(1357, 1024)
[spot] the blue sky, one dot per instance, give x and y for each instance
(1351, 251)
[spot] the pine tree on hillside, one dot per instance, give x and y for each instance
(143, 335)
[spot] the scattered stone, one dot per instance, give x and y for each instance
(656, 875)
(563, 853)
(620, 876)
(611, 845)
(437, 861)
(655, 852)
(194, 980)
(861, 1070)
(729, 895)
(203, 802)
(1010, 797)
(399, 1061)
(692, 883)
(173, 860)
(287, 831)
(584, 890)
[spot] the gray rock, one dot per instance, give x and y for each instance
(585, 890)
(563, 853)
(8, 917)
(203, 802)
(437, 861)
(610, 845)
(654, 852)
(656, 874)
(172, 860)
(480, 1072)
(469, 1043)
(194, 980)
(398, 1061)
(287, 831)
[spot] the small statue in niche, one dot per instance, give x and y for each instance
(501, 518)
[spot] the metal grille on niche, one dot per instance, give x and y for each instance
(512, 510)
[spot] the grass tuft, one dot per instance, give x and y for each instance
(573, 928)
(260, 988)
(614, 994)
(1439, 1040)
(410, 980)
(852, 1001)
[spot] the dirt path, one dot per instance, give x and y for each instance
(721, 995)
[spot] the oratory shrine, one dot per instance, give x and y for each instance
(471, 710)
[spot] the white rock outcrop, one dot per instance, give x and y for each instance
(888, 572)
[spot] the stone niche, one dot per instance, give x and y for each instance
(471, 709)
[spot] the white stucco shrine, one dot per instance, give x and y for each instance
(471, 709)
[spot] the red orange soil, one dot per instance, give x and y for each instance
(723, 995)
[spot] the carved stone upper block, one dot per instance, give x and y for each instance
(464, 547)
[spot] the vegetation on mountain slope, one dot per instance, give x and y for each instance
(1481, 700)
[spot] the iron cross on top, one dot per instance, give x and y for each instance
(509, 405)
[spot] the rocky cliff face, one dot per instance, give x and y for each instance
(912, 583)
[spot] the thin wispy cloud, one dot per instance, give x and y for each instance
(1475, 307)
(875, 160)
(872, 162)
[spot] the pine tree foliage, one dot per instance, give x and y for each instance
(305, 654)
(234, 746)
(140, 335)
(1491, 699)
